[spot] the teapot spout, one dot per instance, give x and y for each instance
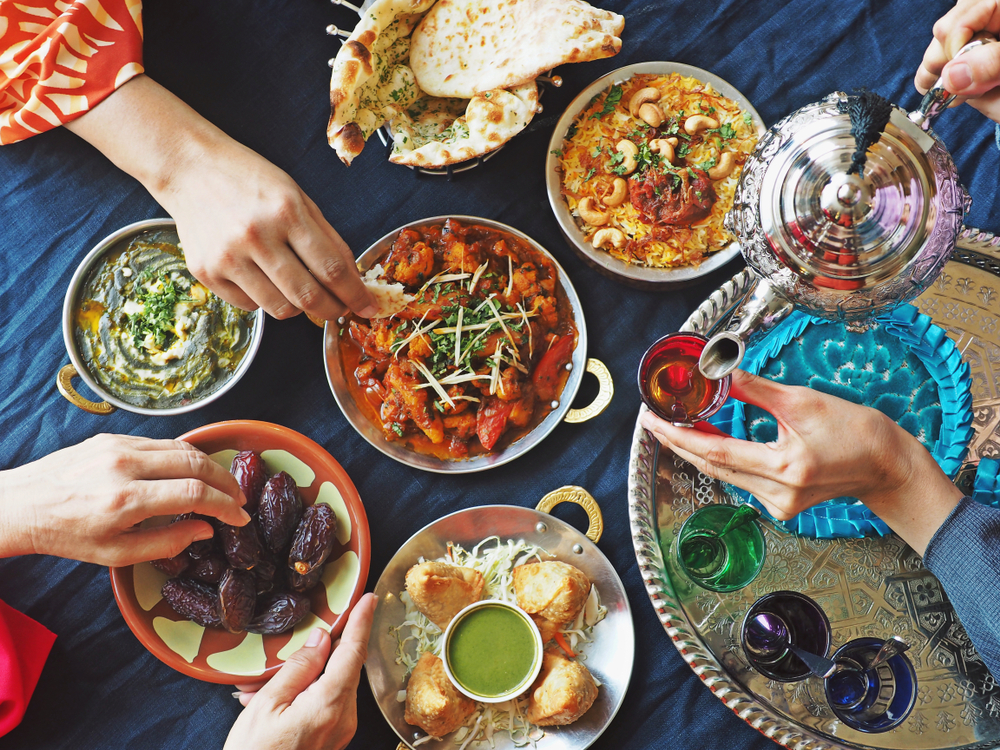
(760, 310)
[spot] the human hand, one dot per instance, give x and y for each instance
(254, 238)
(826, 448)
(976, 74)
(249, 232)
(311, 703)
(84, 502)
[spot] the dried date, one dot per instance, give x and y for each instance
(173, 566)
(202, 548)
(193, 600)
(237, 597)
(209, 570)
(314, 539)
(248, 468)
(279, 512)
(303, 583)
(279, 613)
(241, 545)
(268, 576)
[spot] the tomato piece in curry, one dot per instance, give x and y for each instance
(477, 359)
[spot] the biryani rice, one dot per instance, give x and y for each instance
(586, 165)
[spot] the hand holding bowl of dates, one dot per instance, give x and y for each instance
(233, 607)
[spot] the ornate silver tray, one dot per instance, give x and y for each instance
(868, 587)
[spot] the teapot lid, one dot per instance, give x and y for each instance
(849, 231)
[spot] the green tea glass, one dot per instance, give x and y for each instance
(715, 561)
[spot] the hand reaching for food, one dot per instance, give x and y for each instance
(85, 502)
(249, 232)
(826, 448)
(311, 702)
(976, 74)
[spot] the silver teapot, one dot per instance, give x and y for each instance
(839, 245)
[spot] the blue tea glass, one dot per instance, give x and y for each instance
(871, 700)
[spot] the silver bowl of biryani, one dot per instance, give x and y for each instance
(642, 168)
(144, 334)
(364, 401)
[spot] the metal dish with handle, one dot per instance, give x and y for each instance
(873, 587)
(634, 275)
(561, 412)
(77, 368)
(609, 657)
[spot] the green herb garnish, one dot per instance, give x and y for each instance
(157, 318)
(614, 96)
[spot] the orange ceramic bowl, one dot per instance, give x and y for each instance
(213, 654)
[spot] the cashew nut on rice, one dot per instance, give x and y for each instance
(589, 213)
(631, 151)
(618, 194)
(697, 123)
(724, 168)
(640, 97)
(652, 115)
(609, 236)
(663, 147)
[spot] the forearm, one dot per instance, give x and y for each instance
(917, 497)
(150, 134)
(15, 536)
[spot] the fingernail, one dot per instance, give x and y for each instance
(237, 694)
(203, 535)
(959, 77)
(245, 516)
(369, 312)
(314, 638)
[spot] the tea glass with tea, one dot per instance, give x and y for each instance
(671, 384)
(774, 622)
(719, 555)
(871, 700)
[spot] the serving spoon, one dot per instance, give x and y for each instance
(769, 640)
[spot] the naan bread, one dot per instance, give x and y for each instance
(390, 298)
(463, 47)
(371, 82)
(435, 132)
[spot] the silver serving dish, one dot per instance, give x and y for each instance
(110, 402)
(634, 275)
(868, 587)
(609, 657)
(562, 412)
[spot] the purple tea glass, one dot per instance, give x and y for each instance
(776, 620)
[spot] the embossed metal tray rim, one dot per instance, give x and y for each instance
(975, 248)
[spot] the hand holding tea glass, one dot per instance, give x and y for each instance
(826, 448)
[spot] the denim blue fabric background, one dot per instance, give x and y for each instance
(259, 71)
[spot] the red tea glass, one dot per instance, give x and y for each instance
(671, 384)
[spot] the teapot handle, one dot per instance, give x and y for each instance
(937, 98)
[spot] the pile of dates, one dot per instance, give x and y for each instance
(256, 577)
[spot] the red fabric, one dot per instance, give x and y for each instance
(24, 647)
(61, 58)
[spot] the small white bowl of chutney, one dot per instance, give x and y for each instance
(492, 651)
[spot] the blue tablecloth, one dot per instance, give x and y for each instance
(259, 71)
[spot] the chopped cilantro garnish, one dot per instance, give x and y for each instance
(556, 152)
(682, 150)
(614, 96)
(396, 428)
(157, 318)
(707, 165)
(590, 173)
(747, 118)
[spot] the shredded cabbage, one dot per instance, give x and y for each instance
(496, 560)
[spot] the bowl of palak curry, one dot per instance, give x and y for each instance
(144, 334)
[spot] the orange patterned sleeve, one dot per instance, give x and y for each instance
(59, 59)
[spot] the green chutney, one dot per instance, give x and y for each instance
(491, 651)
